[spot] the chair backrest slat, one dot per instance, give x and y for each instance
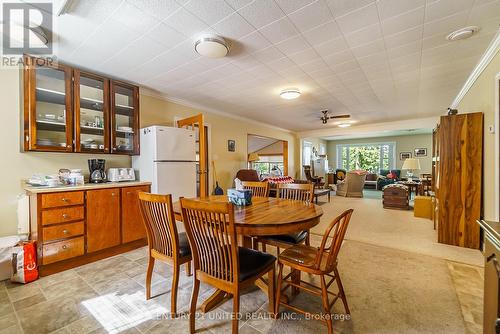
(158, 217)
(296, 191)
(259, 189)
(332, 241)
(211, 233)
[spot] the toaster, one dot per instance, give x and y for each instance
(121, 174)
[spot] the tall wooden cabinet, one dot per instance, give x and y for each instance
(458, 178)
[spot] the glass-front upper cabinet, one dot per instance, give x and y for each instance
(91, 98)
(124, 118)
(48, 107)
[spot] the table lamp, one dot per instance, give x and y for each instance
(410, 165)
(252, 157)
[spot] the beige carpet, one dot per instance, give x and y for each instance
(397, 229)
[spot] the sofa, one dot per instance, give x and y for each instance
(352, 185)
(384, 181)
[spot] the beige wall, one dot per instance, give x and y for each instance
(403, 144)
(481, 97)
(16, 166)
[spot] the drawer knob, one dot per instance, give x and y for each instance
(64, 199)
(65, 231)
(65, 247)
(112, 194)
(65, 216)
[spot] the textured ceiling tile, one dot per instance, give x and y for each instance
(310, 16)
(260, 13)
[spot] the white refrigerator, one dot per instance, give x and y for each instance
(168, 161)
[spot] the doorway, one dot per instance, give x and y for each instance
(267, 155)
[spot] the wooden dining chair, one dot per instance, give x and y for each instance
(320, 261)
(259, 189)
(293, 191)
(217, 259)
(164, 242)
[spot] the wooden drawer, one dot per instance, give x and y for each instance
(62, 215)
(62, 250)
(63, 231)
(62, 199)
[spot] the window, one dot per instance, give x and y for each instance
(306, 152)
(269, 165)
(369, 157)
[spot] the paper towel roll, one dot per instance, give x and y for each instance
(23, 216)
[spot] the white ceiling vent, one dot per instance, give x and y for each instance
(462, 33)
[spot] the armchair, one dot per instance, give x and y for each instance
(316, 180)
(248, 175)
(352, 186)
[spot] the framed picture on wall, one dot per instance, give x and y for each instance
(231, 145)
(420, 152)
(404, 155)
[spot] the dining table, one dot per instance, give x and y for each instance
(265, 216)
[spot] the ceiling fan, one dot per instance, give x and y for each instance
(326, 116)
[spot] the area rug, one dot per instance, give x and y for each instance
(398, 229)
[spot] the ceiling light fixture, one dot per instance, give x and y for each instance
(290, 93)
(462, 33)
(211, 46)
(344, 125)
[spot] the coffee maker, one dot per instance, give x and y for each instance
(97, 168)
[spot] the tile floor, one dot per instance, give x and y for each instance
(108, 296)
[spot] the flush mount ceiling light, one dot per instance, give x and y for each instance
(290, 93)
(462, 33)
(211, 46)
(344, 125)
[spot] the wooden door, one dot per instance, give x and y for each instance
(48, 110)
(103, 219)
(124, 118)
(196, 123)
(91, 102)
(132, 224)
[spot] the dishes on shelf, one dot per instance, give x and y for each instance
(125, 129)
(48, 142)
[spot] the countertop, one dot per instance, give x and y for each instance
(491, 230)
(87, 186)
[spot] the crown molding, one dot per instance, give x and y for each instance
(486, 58)
(152, 93)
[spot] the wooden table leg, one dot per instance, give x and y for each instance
(217, 298)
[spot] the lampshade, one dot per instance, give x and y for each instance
(253, 157)
(411, 164)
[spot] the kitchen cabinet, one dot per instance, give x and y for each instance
(69, 110)
(103, 219)
(48, 112)
(91, 104)
(124, 118)
(80, 224)
(132, 225)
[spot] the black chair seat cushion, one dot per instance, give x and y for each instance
(252, 262)
(184, 249)
(292, 238)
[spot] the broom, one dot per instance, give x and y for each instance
(217, 190)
